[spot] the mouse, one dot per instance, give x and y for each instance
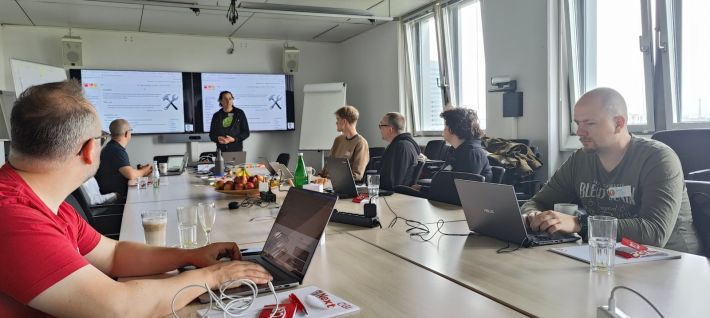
(233, 205)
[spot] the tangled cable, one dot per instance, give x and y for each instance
(234, 306)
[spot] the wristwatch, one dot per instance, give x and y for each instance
(583, 225)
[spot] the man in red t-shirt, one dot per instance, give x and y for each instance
(52, 260)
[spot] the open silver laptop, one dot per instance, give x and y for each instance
(176, 165)
(234, 157)
(492, 209)
(279, 168)
(293, 239)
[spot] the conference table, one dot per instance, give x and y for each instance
(388, 273)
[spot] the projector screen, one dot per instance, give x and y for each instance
(152, 102)
(262, 97)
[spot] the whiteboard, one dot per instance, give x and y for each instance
(26, 74)
(7, 99)
(320, 101)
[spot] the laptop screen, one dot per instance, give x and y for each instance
(175, 163)
(298, 227)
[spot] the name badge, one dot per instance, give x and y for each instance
(619, 192)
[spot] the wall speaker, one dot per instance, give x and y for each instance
(71, 51)
(513, 104)
(290, 62)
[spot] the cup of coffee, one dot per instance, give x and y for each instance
(566, 208)
(310, 172)
(155, 223)
(163, 167)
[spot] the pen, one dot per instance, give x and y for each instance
(299, 304)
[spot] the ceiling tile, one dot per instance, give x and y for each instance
(184, 21)
(84, 14)
(11, 13)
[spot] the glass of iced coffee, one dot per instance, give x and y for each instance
(155, 223)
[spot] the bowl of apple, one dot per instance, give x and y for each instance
(239, 185)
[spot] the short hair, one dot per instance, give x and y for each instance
(50, 120)
(348, 113)
(396, 121)
(118, 127)
(462, 122)
(611, 101)
(222, 94)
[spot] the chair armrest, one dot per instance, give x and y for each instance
(424, 182)
(408, 191)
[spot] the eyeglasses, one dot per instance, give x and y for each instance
(383, 125)
(104, 136)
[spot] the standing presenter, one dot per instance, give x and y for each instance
(229, 125)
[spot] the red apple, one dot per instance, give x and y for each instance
(249, 185)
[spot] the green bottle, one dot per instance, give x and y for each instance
(300, 177)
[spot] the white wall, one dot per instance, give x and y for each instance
(4, 64)
(319, 63)
(371, 69)
(515, 40)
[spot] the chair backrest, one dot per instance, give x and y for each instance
(699, 194)
(443, 189)
(283, 159)
(83, 199)
(436, 149)
(498, 173)
(691, 145)
(412, 179)
(79, 209)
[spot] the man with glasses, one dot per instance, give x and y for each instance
(400, 158)
(53, 262)
(115, 169)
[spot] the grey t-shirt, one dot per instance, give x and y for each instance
(646, 192)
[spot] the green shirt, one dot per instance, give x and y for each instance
(645, 191)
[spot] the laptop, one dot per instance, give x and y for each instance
(176, 165)
(492, 209)
(293, 240)
(341, 178)
(234, 157)
(277, 167)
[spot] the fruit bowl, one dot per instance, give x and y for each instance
(243, 193)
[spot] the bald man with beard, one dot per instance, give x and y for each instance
(115, 170)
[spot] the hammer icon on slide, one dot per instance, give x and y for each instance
(170, 101)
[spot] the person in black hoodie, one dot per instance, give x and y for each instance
(229, 126)
(463, 132)
(400, 158)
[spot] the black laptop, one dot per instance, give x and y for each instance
(492, 209)
(293, 239)
(176, 165)
(341, 178)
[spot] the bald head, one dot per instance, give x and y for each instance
(606, 99)
(118, 127)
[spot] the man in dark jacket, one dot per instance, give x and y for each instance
(400, 158)
(229, 125)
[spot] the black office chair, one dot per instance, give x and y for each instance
(442, 187)
(699, 194)
(161, 159)
(208, 155)
(498, 173)
(283, 159)
(106, 218)
(693, 149)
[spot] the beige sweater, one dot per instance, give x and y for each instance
(355, 150)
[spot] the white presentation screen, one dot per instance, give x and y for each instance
(262, 97)
(152, 102)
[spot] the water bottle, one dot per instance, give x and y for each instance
(156, 175)
(300, 177)
(219, 164)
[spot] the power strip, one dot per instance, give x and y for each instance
(354, 219)
(603, 312)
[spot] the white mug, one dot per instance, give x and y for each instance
(163, 167)
(310, 172)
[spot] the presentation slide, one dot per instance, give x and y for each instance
(262, 97)
(151, 101)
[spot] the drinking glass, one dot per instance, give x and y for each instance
(373, 185)
(602, 242)
(187, 226)
(154, 224)
(207, 214)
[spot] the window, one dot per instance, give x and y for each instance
(661, 74)
(695, 65)
(430, 84)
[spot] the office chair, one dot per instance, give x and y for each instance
(498, 173)
(692, 147)
(161, 159)
(283, 159)
(699, 194)
(105, 218)
(442, 187)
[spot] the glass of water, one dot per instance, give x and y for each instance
(373, 185)
(207, 214)
(187, 226)
(602, 242)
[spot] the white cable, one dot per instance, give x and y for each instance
(235, 306)
(612, 301)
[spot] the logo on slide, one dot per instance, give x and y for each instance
(171, 101)
(275, 99)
